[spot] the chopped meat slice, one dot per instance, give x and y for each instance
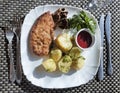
(60, 18)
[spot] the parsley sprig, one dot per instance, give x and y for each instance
(82, 20)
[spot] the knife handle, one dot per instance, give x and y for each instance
(18, 63)
(109, 63)
(100, 69)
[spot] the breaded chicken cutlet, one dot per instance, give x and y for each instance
(41, 34)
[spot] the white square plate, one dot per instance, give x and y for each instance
(30, 62)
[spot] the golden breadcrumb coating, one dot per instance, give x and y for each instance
(41, 34)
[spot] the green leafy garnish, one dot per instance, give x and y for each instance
(82, 20)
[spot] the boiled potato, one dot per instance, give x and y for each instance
(73, 41)
(49, 65)
(78, 63)
(56, 54)
(75, 53)
(64, 64)
(63, 42)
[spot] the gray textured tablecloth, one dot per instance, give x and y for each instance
(10, 8)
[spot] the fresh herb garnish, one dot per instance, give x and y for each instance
(82, 20)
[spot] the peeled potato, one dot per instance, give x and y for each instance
(64, 64)
(79, 63)
(56, 54)
(63, 42)
(73, 41)
(75, 53)
(49, 65)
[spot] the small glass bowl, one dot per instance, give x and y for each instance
(91, 36)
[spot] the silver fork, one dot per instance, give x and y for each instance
(9, 36)
(16, 29)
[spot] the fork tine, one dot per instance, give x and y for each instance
(6, 26)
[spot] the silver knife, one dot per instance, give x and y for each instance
(100, 69)
(107, 30)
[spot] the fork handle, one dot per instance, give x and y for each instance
(12, 69)
(18, 63)
(109, 63)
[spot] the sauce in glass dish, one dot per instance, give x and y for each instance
(84, 39)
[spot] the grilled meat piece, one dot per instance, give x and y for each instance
(42, 34)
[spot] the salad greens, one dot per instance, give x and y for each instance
(82, 20)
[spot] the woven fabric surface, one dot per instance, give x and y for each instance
(19, 8)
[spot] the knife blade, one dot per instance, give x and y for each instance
(100, 69)
(107, 32)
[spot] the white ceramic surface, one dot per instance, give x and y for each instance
(30, 62)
